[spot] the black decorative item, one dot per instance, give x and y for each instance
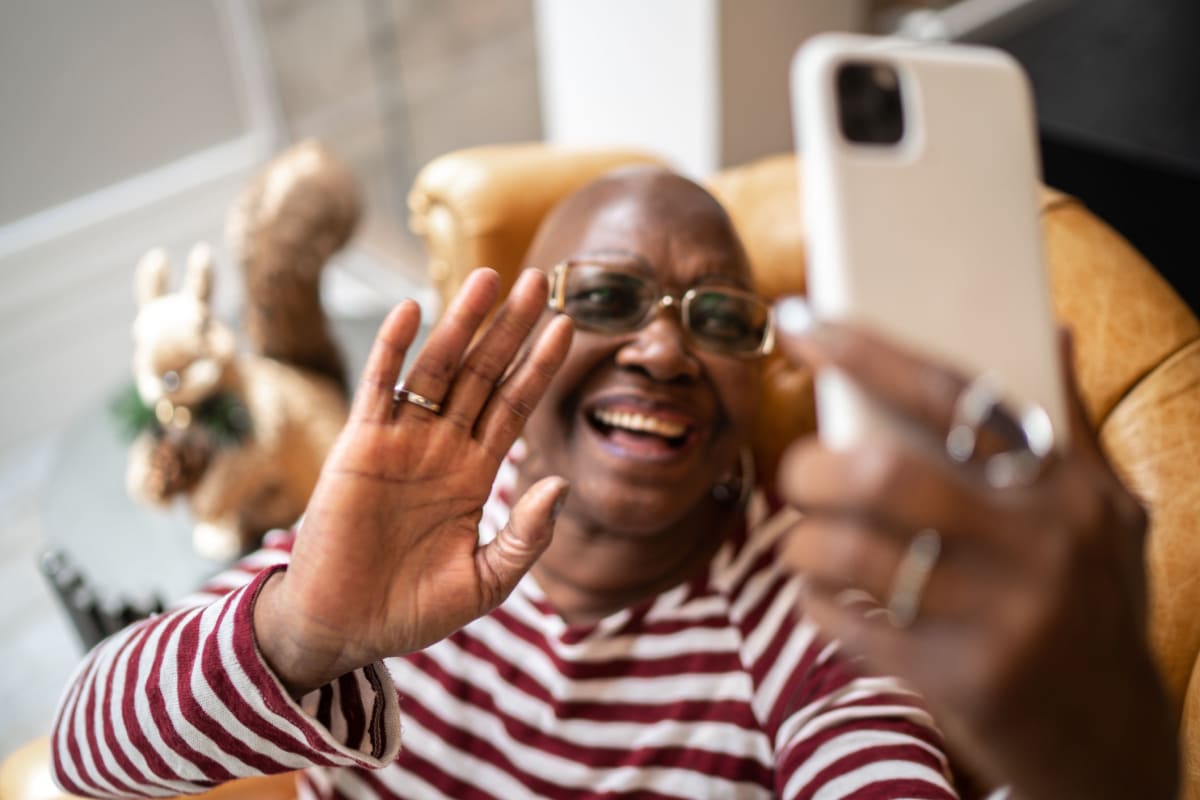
(93, 617)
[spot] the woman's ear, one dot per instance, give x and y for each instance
(150, 279)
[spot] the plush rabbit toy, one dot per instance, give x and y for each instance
(242, 435)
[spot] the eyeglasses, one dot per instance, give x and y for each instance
(617, 295)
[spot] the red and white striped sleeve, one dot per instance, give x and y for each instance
(183, 701)
(836, 732)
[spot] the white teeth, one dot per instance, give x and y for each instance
(640, 423)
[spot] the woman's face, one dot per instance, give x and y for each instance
(645, 423)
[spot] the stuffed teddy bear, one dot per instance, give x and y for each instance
(242, 435)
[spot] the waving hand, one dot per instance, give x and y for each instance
(387, 559)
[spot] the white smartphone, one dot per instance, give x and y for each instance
(920, 196)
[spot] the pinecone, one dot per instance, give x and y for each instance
(177, 462)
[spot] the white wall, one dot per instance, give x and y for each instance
(757, 40)
(129, 124)
(125, 124)
(702, 82)
(632, 72)
(66, 67)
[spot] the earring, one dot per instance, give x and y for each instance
(737, 488)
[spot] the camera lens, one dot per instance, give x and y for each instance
(870, 106)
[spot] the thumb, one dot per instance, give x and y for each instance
(504, 560)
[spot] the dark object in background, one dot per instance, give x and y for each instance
(93, 617)
(1118, 106)
(1157, 209)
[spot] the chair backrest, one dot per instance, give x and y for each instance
(1137, 344)
(481, 207)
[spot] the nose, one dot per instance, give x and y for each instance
(661, 350)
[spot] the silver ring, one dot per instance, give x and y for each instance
(912, 574)
(1020, 466)
(407, 396)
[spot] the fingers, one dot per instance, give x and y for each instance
(373, 398)
(514, 400)
(490, 356)
(438, 362)
(844, 552)
(503, 561)
(933, 396)
(907, 383)
(860, 631)
(836, 553)
(898, 487)
(482, 393)
(929, 655)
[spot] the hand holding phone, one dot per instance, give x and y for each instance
(1017, 608)
(922, 216)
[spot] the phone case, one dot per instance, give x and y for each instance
(934, 241)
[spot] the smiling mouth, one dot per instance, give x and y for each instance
(639, 424)
(641, 434)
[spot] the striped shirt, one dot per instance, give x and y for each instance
(716, 688)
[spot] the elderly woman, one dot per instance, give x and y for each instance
(535, 570)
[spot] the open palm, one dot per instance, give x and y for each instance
(387, 558)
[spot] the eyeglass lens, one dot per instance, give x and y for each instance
(613, 299)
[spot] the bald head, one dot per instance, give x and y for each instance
(648, 211)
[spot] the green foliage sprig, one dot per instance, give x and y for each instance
(223, 416)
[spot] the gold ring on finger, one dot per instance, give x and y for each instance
(408, 396)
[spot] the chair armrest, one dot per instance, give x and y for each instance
(1125, 318)
(1152, 437)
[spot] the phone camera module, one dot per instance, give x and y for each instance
(870, 107)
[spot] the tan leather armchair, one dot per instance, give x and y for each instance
(1137, 344)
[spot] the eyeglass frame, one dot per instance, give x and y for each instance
(557, 302)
